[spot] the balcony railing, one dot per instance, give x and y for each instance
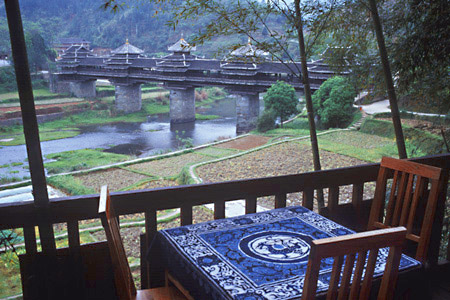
(352, 213)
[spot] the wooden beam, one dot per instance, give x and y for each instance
(30, 125)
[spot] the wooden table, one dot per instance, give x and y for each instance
(255, 256)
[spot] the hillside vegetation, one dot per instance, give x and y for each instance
(86, 19)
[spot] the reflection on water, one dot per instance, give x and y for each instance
(139, 139)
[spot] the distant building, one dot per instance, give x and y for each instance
(65, 43)
(100, 51)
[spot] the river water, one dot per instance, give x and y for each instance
(156, 135)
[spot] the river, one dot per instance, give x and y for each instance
(156, 135)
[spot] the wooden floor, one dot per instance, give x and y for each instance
(440, 287)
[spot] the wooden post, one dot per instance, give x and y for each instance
(30, 126)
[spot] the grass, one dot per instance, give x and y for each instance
(37, 93)
(70, 185)
(153, 94)
(298, 127)
(206, 117)
(368, 149)
(81, 159)
(45, 135)
(154, 108)
(417, 140)
(216, 152)
(10, 283)
(8, 179)
(41, 96)
(356, 117)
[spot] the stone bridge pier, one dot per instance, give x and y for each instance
(128, 98)
(83, 89)
(182, 104)
(247, 111)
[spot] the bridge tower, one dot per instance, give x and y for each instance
(244, 63)
(182, 95)
(128, 97)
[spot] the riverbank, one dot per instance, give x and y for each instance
(76, 113)
(102, 129)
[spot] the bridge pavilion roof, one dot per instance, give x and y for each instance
(181, 46)
(248, 50)
(122, 58)
(180, 60)
(244, 61)
(127, 48)
(70, 57)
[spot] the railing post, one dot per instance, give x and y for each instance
(219, 209)
(73, 236)
(333, 200)
(29, 235)
(152, 270)
(186, 215)
(357, 198)
(250, 205)
(308, 198)
(280, 200)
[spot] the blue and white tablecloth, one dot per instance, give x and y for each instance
(255, 256)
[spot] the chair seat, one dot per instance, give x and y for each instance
(162, 293)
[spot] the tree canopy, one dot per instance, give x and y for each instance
(333, 102)
(418, 42)
(281, 99)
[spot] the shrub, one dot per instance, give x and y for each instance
(7, 79)
(333, 102)
(201, 95)
(216, 91)
(266, 121)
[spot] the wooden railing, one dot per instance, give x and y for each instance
(353, 214)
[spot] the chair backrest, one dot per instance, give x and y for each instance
(355, 246)
(123, 279)
(409, 191)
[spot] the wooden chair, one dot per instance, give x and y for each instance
(125, 288)
(408, 194)
(350, 245)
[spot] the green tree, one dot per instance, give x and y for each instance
(333, 102)
(421, 53)
(281, 99)
(39, 54)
